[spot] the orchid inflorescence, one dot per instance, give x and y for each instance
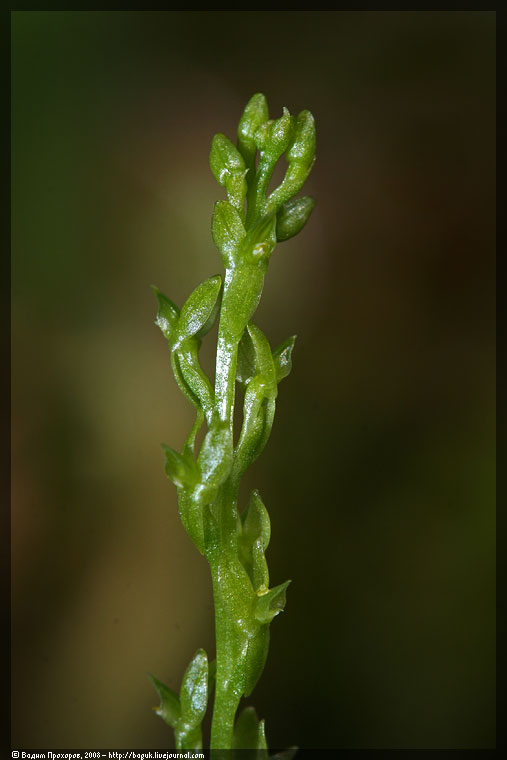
(245, 228)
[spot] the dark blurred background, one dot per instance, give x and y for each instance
(379, 476)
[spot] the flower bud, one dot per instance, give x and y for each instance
(292, 217)
(255, 114)
(302, 149)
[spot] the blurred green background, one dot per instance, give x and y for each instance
(379, 475)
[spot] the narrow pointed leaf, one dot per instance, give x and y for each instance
(255, 521)
(264, 365)
(167, 316)
(179, 468)
(169, 709)
(270, 604)
(282, 358)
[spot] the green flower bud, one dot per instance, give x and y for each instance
(255, 114)
(302, 149)
(228, 167)
(224, 159)
(292, 217)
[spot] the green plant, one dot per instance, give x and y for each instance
(245, 229)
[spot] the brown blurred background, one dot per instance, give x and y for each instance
(379, 476)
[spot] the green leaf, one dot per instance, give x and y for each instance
(255, 522)
(245, 729)
(282, 358)
(194, 690)
(271, 603)
(255, 114)
(167, 316)
(169, 709)
(180, 468)
(292, 217)
(249, 731)
(199, 308)
(264, 365)
(228, 231)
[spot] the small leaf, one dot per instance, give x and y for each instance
(255, 522)
(227, 231)
(199, 307)
(271, 603)
(292, 217)
(282, 358)
(264, 365)
(167, 316)
(169, 709)
(179, 468)
(194, 690)
(246, 730)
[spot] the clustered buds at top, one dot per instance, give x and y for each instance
(289, 135)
